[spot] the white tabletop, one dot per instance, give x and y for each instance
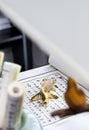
(54, 25)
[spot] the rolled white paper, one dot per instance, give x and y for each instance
(9, 74)
(15, 94)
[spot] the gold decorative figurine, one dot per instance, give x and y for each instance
(47, 85)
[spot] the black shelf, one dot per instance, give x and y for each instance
(9, 35)
(15, 39)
